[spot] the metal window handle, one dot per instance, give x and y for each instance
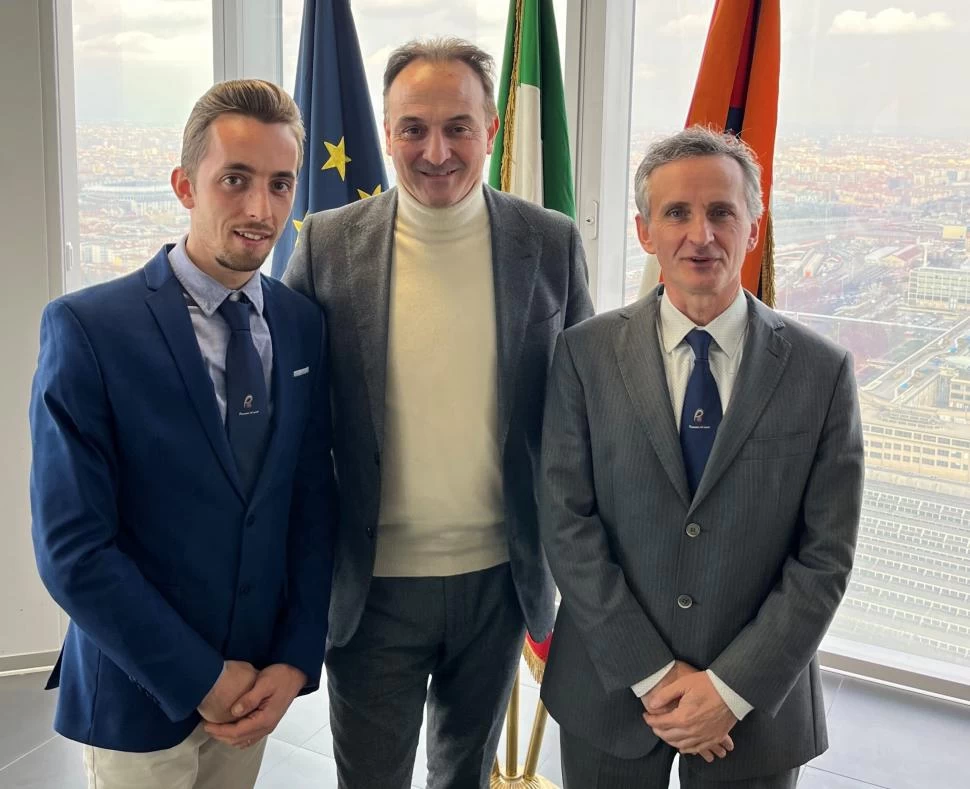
(591, 219)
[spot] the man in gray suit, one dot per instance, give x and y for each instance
(444, 299)
(700, 491)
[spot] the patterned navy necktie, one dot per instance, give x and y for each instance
(247, 404)
(701, 413)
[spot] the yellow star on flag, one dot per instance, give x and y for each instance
(298, 225)
(338, 158)
(364, 194)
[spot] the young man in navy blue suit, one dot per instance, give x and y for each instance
(182, 485)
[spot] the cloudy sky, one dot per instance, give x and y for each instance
(872, 66)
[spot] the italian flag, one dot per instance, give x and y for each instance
(531, 154)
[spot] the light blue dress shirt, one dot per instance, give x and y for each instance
(203, 295)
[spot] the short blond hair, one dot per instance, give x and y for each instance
(252, 98)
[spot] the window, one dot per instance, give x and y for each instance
(872, 169)
(871, 213)
(667, 49)
(139, 66)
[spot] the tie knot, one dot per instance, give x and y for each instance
(236, 313)
(699, 342)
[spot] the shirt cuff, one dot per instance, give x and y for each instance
(738, 706)
(644, 686)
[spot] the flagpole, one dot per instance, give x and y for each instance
(511, 777)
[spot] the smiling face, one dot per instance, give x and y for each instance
(239, 197)
(437, 130)
(700, 230)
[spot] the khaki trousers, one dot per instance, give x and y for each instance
(198, 762)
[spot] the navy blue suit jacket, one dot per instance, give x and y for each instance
(142, 531)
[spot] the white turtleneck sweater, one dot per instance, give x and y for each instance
(442, 509)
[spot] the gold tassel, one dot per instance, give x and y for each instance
(508, 131)
(768, 264)
(537, 666)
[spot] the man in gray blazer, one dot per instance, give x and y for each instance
(444, 299)
(700, 491)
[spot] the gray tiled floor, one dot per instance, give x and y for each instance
(880, 738)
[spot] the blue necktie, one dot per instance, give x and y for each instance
(247, 404)
(702, 410)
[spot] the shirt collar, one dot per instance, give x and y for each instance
(727, 329)
(204, 290)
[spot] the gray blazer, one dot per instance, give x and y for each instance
(751, 592)
(343, 261)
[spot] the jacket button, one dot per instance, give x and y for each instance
(693, 529)
(370, 532)
(250, 521)
(685, 601)
(244, 590)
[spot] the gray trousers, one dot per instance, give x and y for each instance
(586, 767)
(462, 632)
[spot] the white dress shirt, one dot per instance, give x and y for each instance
(728, 331)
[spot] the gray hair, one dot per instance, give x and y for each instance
(443, 50)
(700, 141)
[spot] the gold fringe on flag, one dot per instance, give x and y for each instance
(768, 263)
(508, 126)
(537, 666)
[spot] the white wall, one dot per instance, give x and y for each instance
(29, 621)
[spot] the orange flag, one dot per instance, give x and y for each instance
(737, 91)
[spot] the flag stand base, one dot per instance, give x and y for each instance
(512, 777)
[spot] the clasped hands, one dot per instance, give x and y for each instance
(685, 710)
(245, 705)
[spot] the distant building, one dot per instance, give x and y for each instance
(904, 256)
(919, 440)
(959, 394)
(942, 288)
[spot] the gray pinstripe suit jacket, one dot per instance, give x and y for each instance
(343, 261)
(778, 509)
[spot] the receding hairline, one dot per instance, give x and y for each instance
(442, 51)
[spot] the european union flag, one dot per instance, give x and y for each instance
(342, 160)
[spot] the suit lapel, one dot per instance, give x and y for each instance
(516, 248)
(642, 368)
(285, 343)
(168, 306)
(368, 262)
(766, 355)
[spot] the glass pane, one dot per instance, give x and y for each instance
(382, 26)
(872, 176)
(138, 68)
(871, 205)
(667, 52)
